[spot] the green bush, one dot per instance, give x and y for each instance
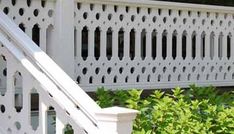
(198, 110)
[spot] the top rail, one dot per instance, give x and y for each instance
(165, 5)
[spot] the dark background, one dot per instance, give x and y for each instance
(210, 2)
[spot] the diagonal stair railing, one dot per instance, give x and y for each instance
(34, 81)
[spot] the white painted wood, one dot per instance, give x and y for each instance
(64, 27)
(166, 18)
(116, 120)
(54, 87)
(56, 21)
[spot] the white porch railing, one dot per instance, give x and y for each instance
(152, 44)
(34, 82)
(131, 43)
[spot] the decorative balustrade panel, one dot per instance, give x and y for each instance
(31, 100)
(26, 106)
(151, 45)
(34, 17)
(36, 95)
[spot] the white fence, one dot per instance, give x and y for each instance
(31, 82)
(131, 44)
(152, 44)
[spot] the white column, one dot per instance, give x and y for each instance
(224, 44)
(159, 45)
(42, 115)
(198, 46)
(207, 46)
(91, 43)
(189, 46)
(138, 44)
(115, 48)
(26, 111)
(126, 44)
(43, 38)
(148, 44)
(216, 43)
(116, 120)
(28, 31)
(179, 46)
(103, 43)
(78, 41)
(59, 126)
(169, 45)
(64, 30)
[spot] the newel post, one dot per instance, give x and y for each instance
(116, 120)
(63, 46)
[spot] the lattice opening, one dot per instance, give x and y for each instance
(194, 36)
(13, 2)
(85, 43)
(2, 108)
(109, 42)
(203, 44)
(229, 46)
(184, 44)
(6, 10)
(75, 42)
(36, 34)
(78, 80)
(21, 26)
(97, 43)
(43, 3)
(34, 108)
(68, 129)
(143, 44)
(132, 44)
(154, 44)
(164, 45)
(174, 44)
(51, 120)
(29, 3)
(18, 89)
(121, 44)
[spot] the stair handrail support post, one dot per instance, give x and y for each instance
(116, 120)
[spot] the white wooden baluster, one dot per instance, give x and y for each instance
(126, 44)
(169, 45)
(216, 42)
(159, 45)
(43, 117)
(59, 126)
(207, 46)
(148, 44)
(224, 46)
(103, 44)
(189, 46)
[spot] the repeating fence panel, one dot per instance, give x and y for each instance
(152, 44)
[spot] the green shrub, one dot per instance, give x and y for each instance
(198, 110)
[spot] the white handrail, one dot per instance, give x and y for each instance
(165, 5)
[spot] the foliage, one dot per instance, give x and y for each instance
(68, 129)
(198, 110)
